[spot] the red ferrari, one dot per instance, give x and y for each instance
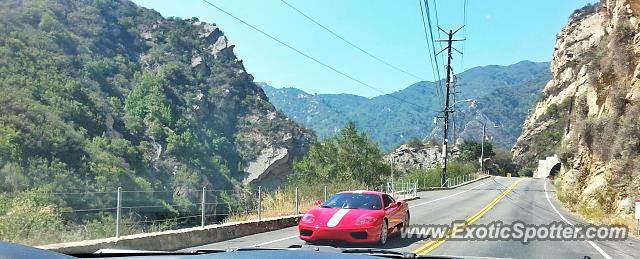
(355, 217)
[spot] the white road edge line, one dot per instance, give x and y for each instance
(420, 204)
(274, 241)
(446, 197)
(594, 245)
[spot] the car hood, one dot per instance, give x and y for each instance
(340, 218)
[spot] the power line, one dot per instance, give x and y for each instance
(431, 57)
(428, 11)
(438, 80)
(350, 43)
(435, 10)
(310, 57)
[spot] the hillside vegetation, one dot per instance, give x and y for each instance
(588, 114)
(96, 95)
(504, 94)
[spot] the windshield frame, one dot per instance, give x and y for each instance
(333, 201)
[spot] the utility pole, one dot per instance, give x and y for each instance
(447, 109)
(484, 127)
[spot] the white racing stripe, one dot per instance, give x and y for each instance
(594, 245)
(458, 193)
(335, 219)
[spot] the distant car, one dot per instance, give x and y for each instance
(354, 217)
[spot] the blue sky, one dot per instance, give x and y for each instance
(498, 32)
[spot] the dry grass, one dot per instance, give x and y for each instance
(282, 202)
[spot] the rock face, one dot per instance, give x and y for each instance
(588, 112)
(128, 98)
(406, 158)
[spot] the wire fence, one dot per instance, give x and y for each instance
(91, 215)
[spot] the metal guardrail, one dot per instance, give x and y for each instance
(462, 179)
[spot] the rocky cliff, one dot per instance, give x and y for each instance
(100, 94)
(406, 158)
(589, 110)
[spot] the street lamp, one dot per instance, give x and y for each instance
(465, 100)
(435, 119)
(484, 128)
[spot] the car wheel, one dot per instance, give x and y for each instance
(405, 223)
(383, 233)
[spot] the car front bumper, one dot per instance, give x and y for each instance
(364, 234)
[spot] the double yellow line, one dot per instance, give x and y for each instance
(433, 244)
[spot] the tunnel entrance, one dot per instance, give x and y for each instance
(554, 171)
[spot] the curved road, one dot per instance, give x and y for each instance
(483, 202)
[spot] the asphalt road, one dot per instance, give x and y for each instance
(497, 198)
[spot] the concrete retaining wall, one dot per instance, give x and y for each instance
(178, 239)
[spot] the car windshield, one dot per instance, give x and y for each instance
(354, 201)
(216, 124)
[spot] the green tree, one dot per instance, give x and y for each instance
(472, 150)
(348, 156)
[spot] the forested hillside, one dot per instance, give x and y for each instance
(100, 94)
(504, 95)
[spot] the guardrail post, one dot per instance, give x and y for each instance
(259, 202)
(325, 193)
(297, 208)
(118, 208)
(202, 216)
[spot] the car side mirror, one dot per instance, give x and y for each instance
(391, 206)
(399, 203)
(317, 202)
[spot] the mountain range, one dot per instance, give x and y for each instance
(503, 95)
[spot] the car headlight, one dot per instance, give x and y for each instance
(308, 218)
(365, 220)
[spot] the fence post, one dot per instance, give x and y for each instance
(259, 202)
(118, 208)
(297, 209)
(325, 193)
(202, 217)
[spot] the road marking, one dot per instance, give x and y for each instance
(446, 197)
(594, 245)
(433, 244)
(274, 241)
